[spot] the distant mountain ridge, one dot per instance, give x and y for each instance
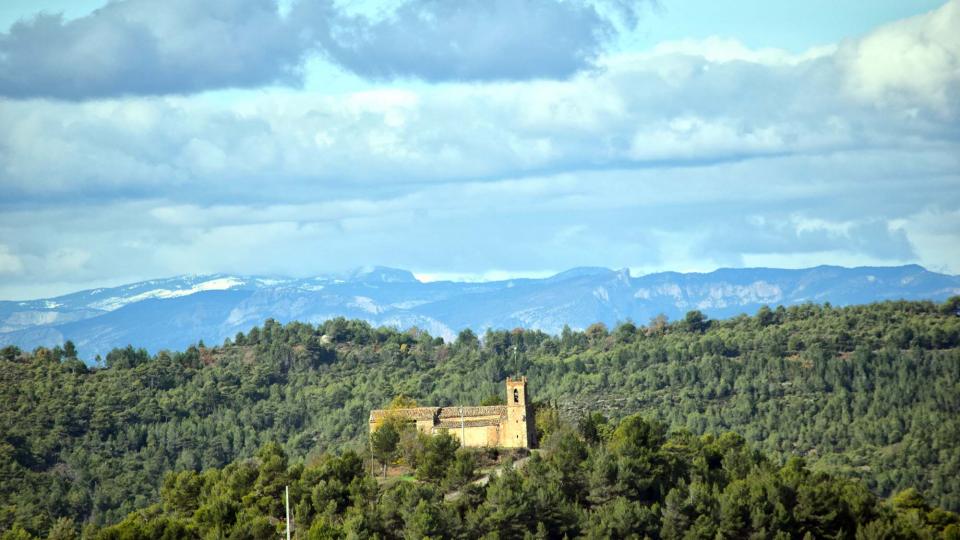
(174, 312)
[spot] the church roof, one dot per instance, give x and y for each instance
(414, 413)
(441, 413)
(492, 410)
(454, 423)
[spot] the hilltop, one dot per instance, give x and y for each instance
(863, 392)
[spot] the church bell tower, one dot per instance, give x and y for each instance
(519, 431)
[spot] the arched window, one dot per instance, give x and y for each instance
(516, 395)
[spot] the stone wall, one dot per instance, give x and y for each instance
(477, 436)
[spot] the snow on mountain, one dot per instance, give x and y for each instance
(174, 312)
(219, 284)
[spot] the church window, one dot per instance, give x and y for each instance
(516, 395)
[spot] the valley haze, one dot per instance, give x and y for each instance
(176, 312)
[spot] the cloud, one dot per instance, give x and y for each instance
(873, 237)
(686, 157)
(653, 111)
(436, 40)
(489, 275)
(934, 233)
(9, 263)
(721, 49)
(141, 47)
(909, 61)
(677, 218)
(66, 259)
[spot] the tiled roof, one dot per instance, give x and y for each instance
(416, 413)
(454, 411)
(454, 423)
(434, 413)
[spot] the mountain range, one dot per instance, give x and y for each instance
(175, 312)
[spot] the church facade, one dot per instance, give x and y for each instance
(504, 426)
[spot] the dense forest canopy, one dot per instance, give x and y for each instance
(865, 393)
(600, 481)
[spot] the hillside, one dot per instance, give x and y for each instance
(175, 312)
(866, 392)
(625, 480)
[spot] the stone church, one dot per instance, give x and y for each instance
(505, 426)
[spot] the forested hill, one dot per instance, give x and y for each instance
(869, 392)
(601, 481)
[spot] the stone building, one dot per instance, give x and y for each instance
(505, 426)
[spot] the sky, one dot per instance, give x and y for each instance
(477, 139)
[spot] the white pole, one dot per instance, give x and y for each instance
(463, 431)
(288, 512)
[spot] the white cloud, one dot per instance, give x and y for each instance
(802, 225)
(479, 277)
(9, 262)
(631, 114)
(933, 231)
(684, 102)
(720, 49)
(913, 62)
(691, 137)
(66, 259)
